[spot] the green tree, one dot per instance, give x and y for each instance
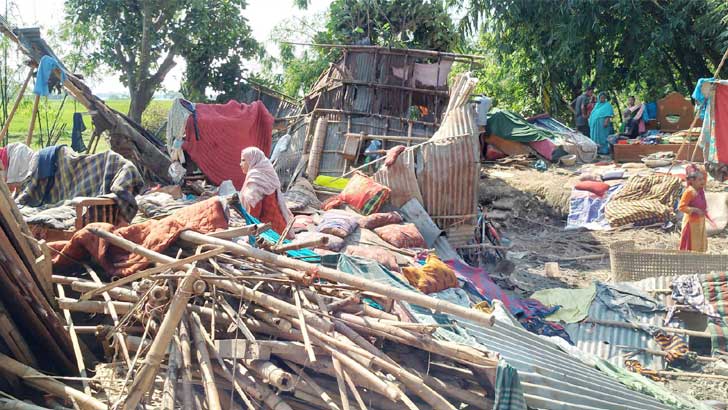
(141, 39)
(554, 48)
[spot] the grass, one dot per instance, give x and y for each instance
(48, 113)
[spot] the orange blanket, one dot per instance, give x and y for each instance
(204, 217)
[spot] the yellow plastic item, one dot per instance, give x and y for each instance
(336, 183)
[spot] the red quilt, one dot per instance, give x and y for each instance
(224, 131)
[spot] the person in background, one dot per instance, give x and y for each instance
(693, 204)
(600, 123)
(261, 193)
(580, 110)
(590, 106)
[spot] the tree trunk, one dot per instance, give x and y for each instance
(140, 99)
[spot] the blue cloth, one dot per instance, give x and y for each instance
(272, 236)
(76, 138)
(45, 69)
(374, 145)
(587, 210)
(650, 112)
(47, 167)
(699, 97)
(598, 131)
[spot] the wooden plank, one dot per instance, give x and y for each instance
(12, 337)
(76, 347)
(635, 152)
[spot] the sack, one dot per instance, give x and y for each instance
(361, 193)
(402, 236)
(380, 219)
(301, 223)
(595, 187)
(433, 276)
(383, 256)
(338, 223)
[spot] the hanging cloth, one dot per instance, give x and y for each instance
(45, 69)
(76, 138)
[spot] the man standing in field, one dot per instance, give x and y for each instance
(580, 110)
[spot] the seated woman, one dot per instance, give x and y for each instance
(261, 193)
(633, 124)
(600, 123)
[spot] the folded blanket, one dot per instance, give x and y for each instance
(157, 235)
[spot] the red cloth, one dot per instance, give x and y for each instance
(4, 157)
(721, 123)
(545, 148)
(268, 211)
(204, 217)
(595, 187)
(225, 130)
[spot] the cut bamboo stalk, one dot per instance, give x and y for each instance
(303, 327)
(279, 322)
(170, 382)
(341, 383)
(33, 117)
(76, 346)
(145, 377)
(114, 316)
(237, 322)
(354, 390)
(628, 325)
(183, 344)
(240, 231)
(244, 292)
(39, 381)
(203, 359)
(335, 275)
(323, 395)
(122, 294)
(311, 243)
(335, 306)
(172, 264)
(16, 104)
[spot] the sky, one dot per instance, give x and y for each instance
(262, 15)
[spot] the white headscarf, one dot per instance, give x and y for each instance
(22, 161)
(260, 181)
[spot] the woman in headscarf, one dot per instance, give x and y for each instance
(600, 123)
(261, 193)
(693, 204)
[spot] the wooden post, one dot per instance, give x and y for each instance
(16, 105)
(33, 117)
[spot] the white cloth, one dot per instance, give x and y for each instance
(260, 181)
(22, 162)
(176, 122)
(281, 147)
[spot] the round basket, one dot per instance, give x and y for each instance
(568, 160)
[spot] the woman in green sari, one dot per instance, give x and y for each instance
(600, 123)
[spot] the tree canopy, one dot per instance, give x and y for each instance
(550, 50)
(141, 38)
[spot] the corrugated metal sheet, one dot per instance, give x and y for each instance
(551, 378)
(605, 341)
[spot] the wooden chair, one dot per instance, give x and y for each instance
(90, 210)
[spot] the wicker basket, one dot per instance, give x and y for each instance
(632, 264)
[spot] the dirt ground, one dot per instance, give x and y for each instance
(530, 209)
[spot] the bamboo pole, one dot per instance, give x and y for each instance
(114, 316)
(341, 384)
(627, 325)
(323, 395)
(240, 231)
(341, 277)
(303, 327)
(39, 381)
(145, 377)
(74, 341)
(121, 294)
(172, 264)
(183, 343)
(170, 381)
(16, 104)
(203, 359)
(33, 118)
(311, 243)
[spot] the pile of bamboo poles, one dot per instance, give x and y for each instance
(227, 326)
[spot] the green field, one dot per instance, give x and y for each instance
(48, 112)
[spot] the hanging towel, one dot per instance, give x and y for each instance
(78, 127)
(45, 68)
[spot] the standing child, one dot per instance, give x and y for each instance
(694, 206)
